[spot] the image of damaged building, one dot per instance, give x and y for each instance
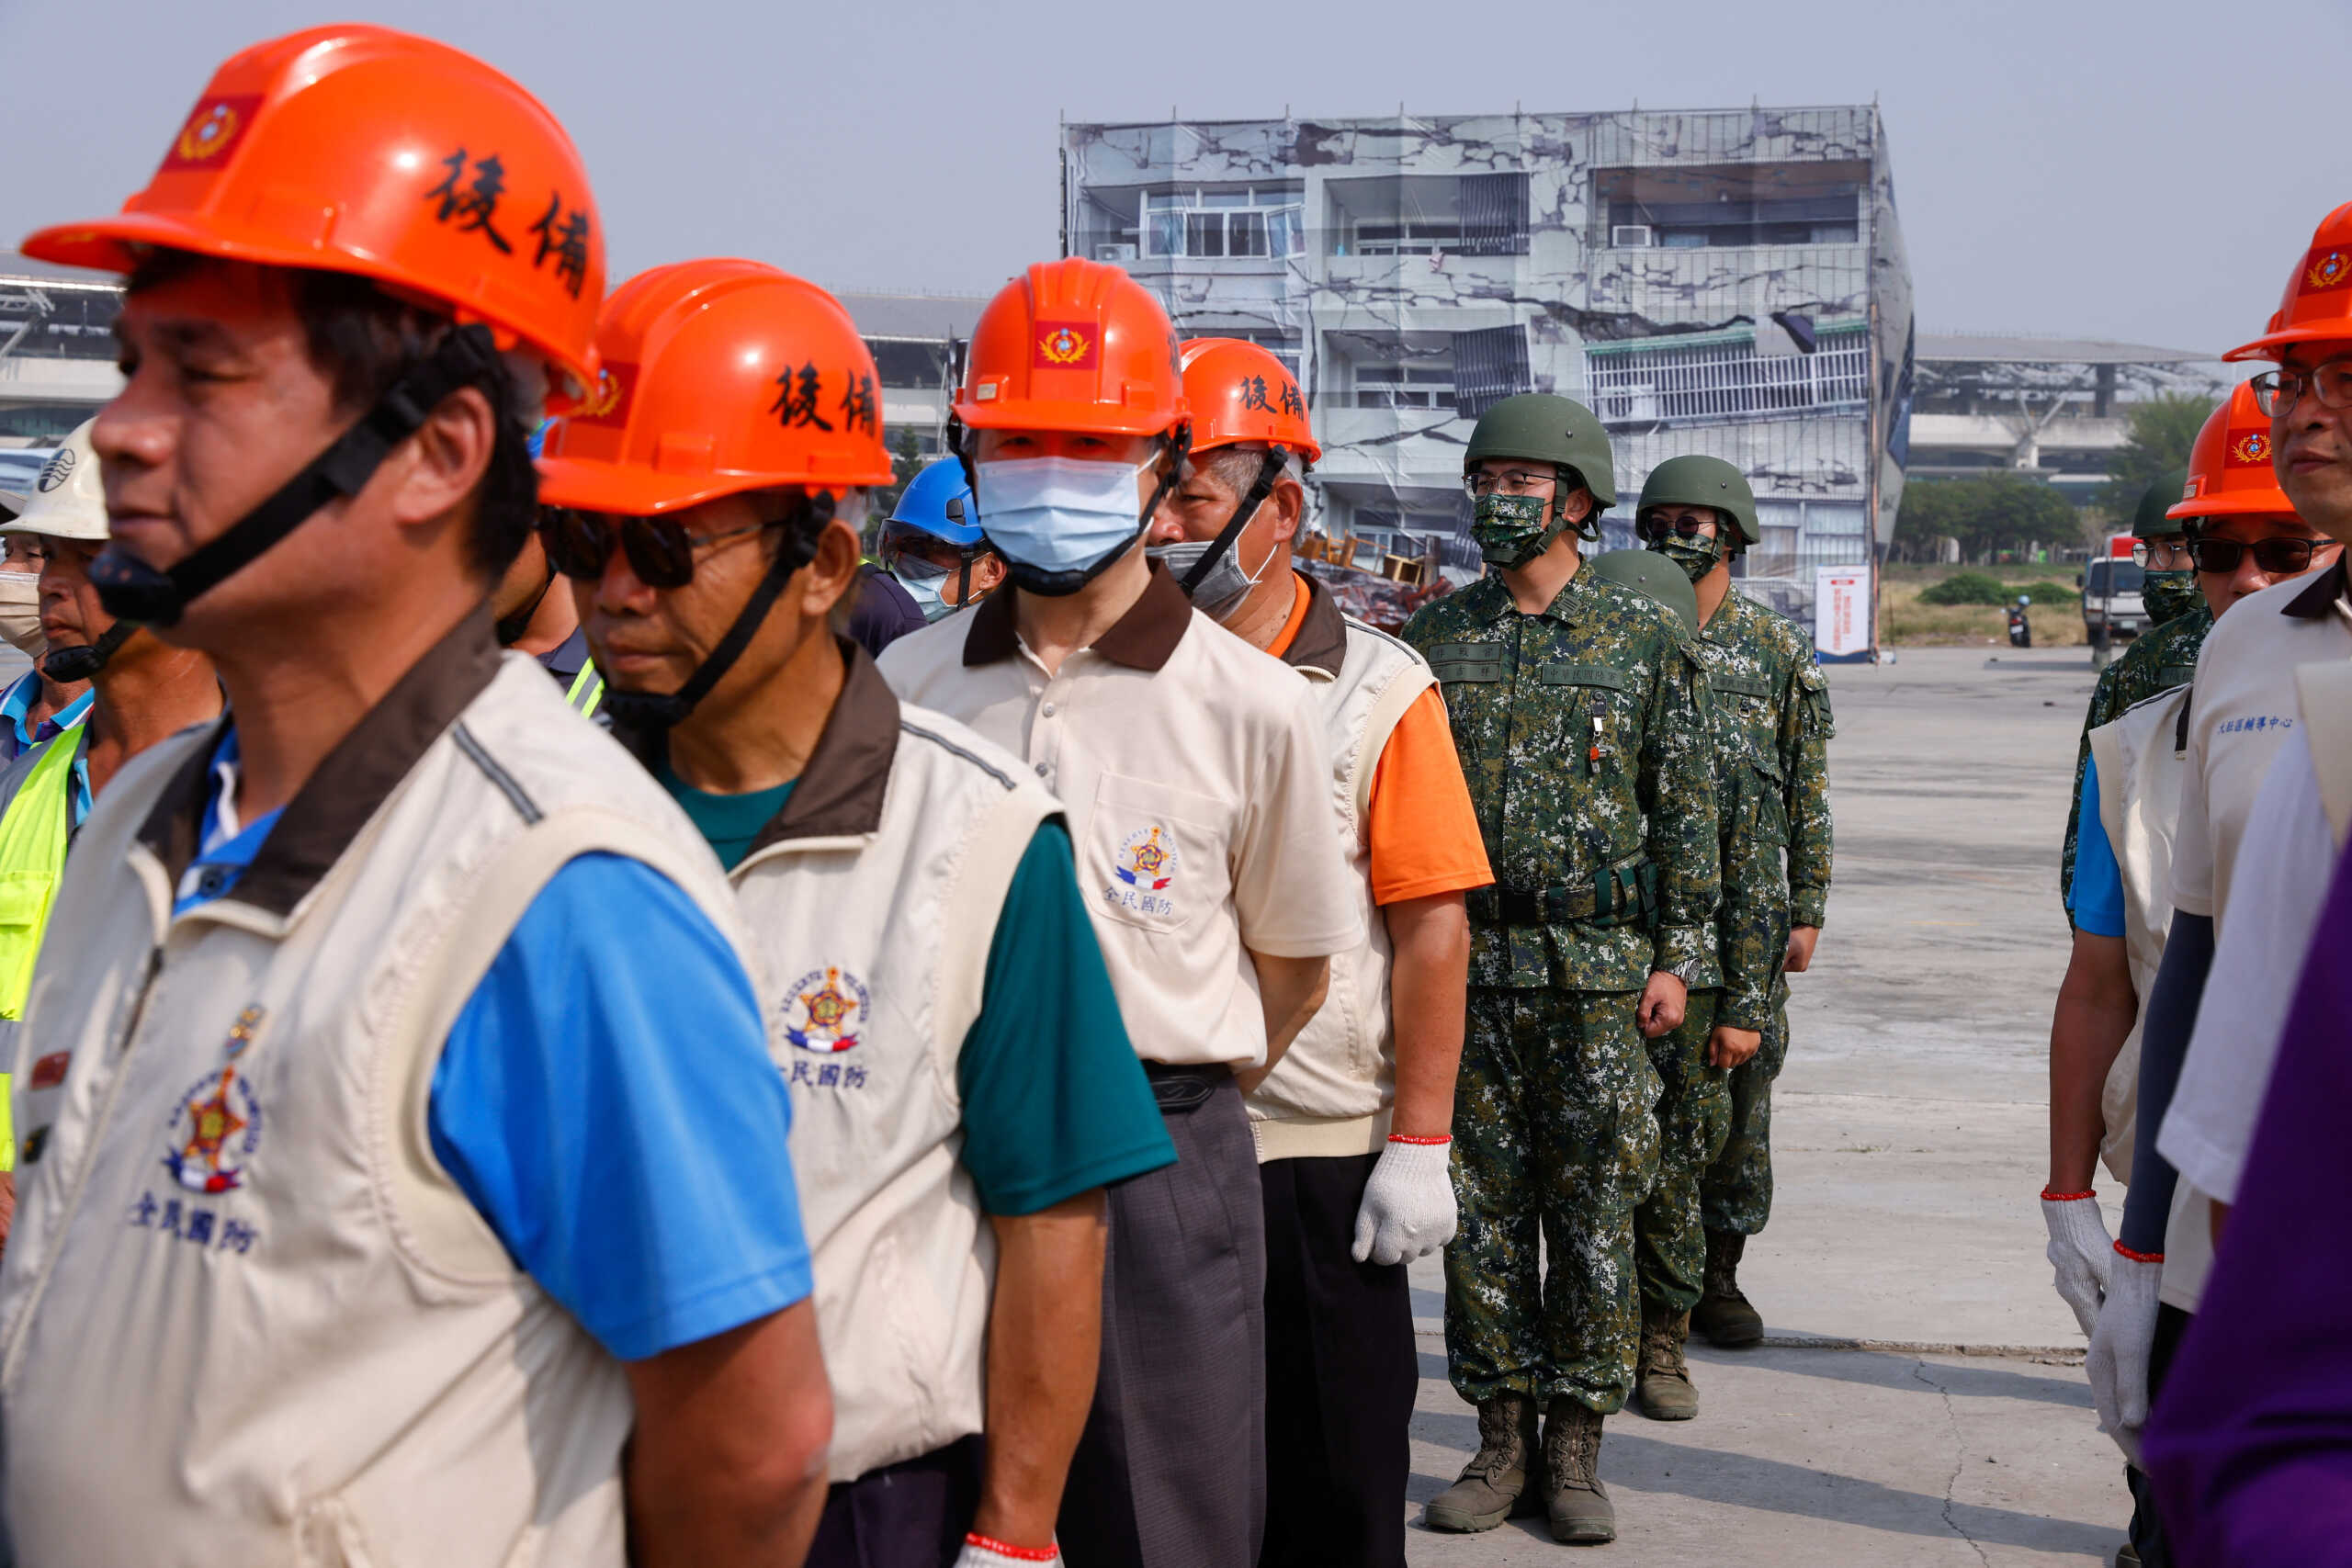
(1729, 281)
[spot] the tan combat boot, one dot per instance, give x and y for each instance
(1494, 1480)
(1723, 1314)
(1662, 1378)
(1573, 1494)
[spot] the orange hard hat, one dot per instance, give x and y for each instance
(360, 149)
(718, 377)
(2317, 307)
(1075, 345)
(2229, 466)
(1240, 395)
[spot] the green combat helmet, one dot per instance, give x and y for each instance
(1698, 480)
(1655, 576)
(1541, 428)
(2163, 492)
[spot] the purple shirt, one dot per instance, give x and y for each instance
(2251, 1441)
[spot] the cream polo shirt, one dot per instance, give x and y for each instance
(1193, 772)
(2243, 707)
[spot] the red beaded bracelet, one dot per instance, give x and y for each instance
(2050, 1197)
(1018, 1553)
(1403, 1138)
(2139, 1256)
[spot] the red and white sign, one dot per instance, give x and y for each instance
(1841, 611)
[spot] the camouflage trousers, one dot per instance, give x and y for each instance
(1735, 1194)
(1553, 1138)
(1693, 1119)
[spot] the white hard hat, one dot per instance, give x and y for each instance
(69, 500)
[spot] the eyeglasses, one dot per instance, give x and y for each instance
(2278, 392)
(2161, 555)
(1655, 527)
(660, 550)
(1510, 481)
(2278, 557)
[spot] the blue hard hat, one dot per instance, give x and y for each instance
(938, 501)
(538, 439)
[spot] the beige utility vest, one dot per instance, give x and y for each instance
(2142, 760)
(2140, 771)
(1331, 1093)
(245, 1317)
(873, 916)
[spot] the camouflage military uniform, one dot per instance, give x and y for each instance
(2155, 664)
(1582, 733)
(1772, 717)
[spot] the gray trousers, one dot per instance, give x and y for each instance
(1171, 1470)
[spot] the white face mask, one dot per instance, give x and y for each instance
(1221, 593)
(1059, 521)
(20, 613)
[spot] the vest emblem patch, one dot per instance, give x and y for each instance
(217, 1125)
(825, 1010)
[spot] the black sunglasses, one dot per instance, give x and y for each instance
(2278, 557)
(660, 550)
(1655, 527)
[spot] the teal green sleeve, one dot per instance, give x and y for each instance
(1055, 1102)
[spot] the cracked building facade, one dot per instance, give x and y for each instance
(1731, 282)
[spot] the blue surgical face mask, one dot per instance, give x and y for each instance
(1059, 521)
(923, 583)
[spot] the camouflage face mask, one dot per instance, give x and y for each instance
(2168, 596)
(1695, 557)
(1511, 530)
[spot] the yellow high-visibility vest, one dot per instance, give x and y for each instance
(587, 691)
(33, 835)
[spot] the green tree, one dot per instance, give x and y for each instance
(905, 461)
(2162, 430)
(2001, 511)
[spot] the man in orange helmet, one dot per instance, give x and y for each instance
(886, 859)
(397, 1043)
(1193, 770)
(2293, 835)
(1354, 1126)
(2121, 901)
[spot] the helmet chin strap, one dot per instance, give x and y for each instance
(1268, 470)
(653, 713)
(67, 665)
(132, 591)
(510, 630)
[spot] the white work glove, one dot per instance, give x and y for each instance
(2080, 1251)
(1407, 1210)
(2120, 1341)
(979, 1551)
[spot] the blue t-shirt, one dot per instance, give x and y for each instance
(2097, 896)
(606, 1100)
(17, 739)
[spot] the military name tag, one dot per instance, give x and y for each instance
(1582, 675)
(1466, 661)
(1742, 685)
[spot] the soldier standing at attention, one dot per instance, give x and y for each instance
(1768, 706)
(2159, 658)
(1579, 713)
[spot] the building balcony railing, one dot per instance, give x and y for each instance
(1726, 381)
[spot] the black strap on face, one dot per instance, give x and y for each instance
(510, 630)
(1048, 584)
(654, 712)
(132, 591)
(67, 665)
(1268, 470)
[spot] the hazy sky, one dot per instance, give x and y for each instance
(2138, 169)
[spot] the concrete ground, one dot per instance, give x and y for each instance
(1920, 1398)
